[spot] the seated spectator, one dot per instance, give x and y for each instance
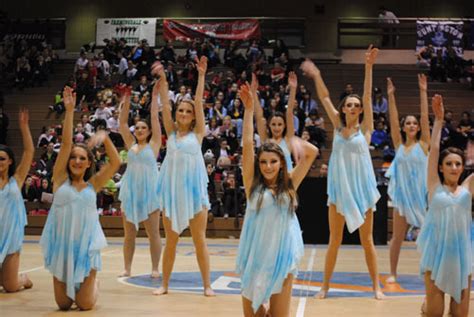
(88, 128)
(58, 105)
(47, 160)
(167, 54)
(113, 127)
(307, 103)
(172, 77)
(424, 55)
(379, 104)
(81, 63)
(46, 137)
(23, 72)
(40, 72)
(102, 114)
(380, 138)
(315, 126)
(181, 95)
(223, 150)
(29, 191)
(233, 197)
(80, 135)
(215, 210)
(45, 191)
(465, 130)
(279, 49)
(438, 67)
(122, 65)
(143, 86)
(348, 90)
(277, 75)
(130, 72)
(323, 170)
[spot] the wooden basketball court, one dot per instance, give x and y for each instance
(132, 296)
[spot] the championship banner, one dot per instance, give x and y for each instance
(236, 30)
(440, 34)
(133, 30)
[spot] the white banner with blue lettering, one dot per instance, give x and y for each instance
(440, 34)
(132, 30)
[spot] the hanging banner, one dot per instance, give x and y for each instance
(440, 34)
(133, 30)
(236, 30)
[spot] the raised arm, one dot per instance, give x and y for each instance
(60, 166)
(393, 114)
(259, 119)
(124, 129)
(160, 89)
(310, 70)
(28, 148)
(290, 125)
(424, 121)
(307, 154)
(368, 122)
(110, 168)
(433, 156)
(248, 153)
(168, 122)
(200, 128)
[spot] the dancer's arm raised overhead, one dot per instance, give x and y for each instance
(433, 156)
(424, 120)
(313, 72)
(259, 118)
(108, 170)
(367, 125)
(290, 125)
(160, 89)
(248, 153)
(28, 148)
(393, 114)
(124, 129)
(200, 127)
(60, 173)
(307, 154)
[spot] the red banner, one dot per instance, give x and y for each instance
(235, 30)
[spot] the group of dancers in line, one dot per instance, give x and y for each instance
(271, 245)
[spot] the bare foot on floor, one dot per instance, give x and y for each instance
(322, 294)
(125, 273)
(155, 274)
(379, 295)
(391, 279)
(208, 292)
(25, 281)
(160, 291)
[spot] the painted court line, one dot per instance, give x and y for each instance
(32, 270)
(302, 302)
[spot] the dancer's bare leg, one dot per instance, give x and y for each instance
(130, 233)
(400, 227)
(88, 293)
(367, 241)
(169, 255)
(10, 279)
(198, 225)
(280, 303)
(248, 310)
(336, 229)
(434, 301)
(461, 309)
(152, 227)
(63, 301)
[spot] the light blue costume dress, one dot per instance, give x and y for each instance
(139, 189)
(270, 248)
(12, 219)
(72, 237)
(445, 241)
(352, 187)
(182, 181)
(286, 150)
(407, 186)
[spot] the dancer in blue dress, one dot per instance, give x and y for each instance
(183, 181)
(407, 173)
(139, 190)
(445, 238)
(12, 209)
(72, 237)
(279, 128)
(271, 244)
(352, 188)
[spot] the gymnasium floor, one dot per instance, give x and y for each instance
(351, 294)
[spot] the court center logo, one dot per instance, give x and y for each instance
(307, 284)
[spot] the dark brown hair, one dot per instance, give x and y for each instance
(91, 170)
(284, 185)
(444, 154)
(343, 102)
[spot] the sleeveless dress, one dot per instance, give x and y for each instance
(352, 187)
(12, 219)
(286, 150)
(270, 248)
(139, 190)
(407, 186)
(182, 181)
(72, 237)
(445, 241)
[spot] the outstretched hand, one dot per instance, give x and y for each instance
(371, 55)
(97, 139)
(246, 96)
(390, 86)
(157, 69)
(292, 80)
(309, 69)
(201, 65)
(254, 84)
(422, 82)
(24, 117)
(69, 98)
(438, 108)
